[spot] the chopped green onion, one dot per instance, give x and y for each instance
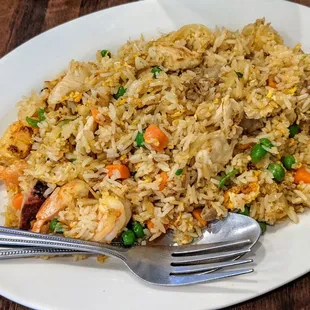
(32, 122)
(266, 142)
(56, 227)
(246, 211)
(239, 74)
(140, 139)
(41, 115)
(226, 177)
(263, 226)
(179, 172)
(121, 91)
(156, 71)
(105, 53)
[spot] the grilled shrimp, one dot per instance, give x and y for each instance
(16, 142)
(61, 197)
(9, 175)
(116, 214)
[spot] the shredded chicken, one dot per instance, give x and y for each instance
(74, 80)
(174, 57)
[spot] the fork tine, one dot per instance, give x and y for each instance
(203, 268)
(182, 279)
(199, 259)
(196, 248)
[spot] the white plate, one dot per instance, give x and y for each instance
(283, 253)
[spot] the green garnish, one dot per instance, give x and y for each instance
(138, 230)
(56, 227)
(41, 115)
(294, 130)
(239, 74)
(266, 142)
(32, 122)
(105, 53)
(246, 211)
(263, 226)
(128, 237)
(140, 139)
(226, 177)
(277, 171)
(179, 172)
(156, 71)
(288, 161)
(121, 91)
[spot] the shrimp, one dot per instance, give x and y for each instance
(16, 142)
(61, 197)
(9, 175)
(116, 214)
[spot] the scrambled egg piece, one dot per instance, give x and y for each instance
(246, 193)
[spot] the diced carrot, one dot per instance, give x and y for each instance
(95, 112)
(271, 81)
(150, 224)
(156, 138)
(17, 201)
(164, 180)
(197, 215)
(122, 169)
(245, 146)
(302, 175)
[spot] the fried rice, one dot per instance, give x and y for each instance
(213, 94)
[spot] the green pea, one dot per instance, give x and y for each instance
(263, 226)
(41, 115)
(277, 171)
(138, 230)
(156, 71)
(121, 92)
(266, 142)
(32, 122)
(294, 130)
(105, 53)
(128, 237)
(257, 153)
(226, 177)
(288, 161)
(246, 211)
(179, 172)
(140, 139)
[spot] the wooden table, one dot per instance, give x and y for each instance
(20, 20)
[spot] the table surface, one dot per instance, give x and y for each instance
(20, 20)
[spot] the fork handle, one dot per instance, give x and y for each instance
(22, 252)
(16, 237)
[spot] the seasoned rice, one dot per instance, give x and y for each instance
(212, 101)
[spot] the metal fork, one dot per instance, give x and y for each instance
(162, 265)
